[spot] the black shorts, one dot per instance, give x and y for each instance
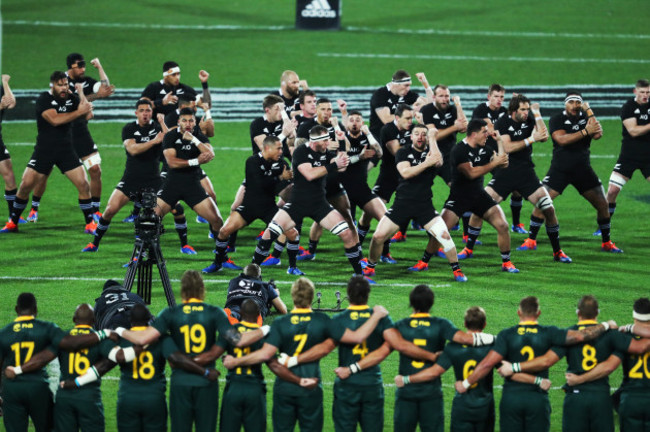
(280, 185)
(444, 171)
(626, 166)
(82, 141)
(523, 180)
(131, 187)
(4, 153)
(43, 161)
(359, 195)
(189, 190)
(250, 211)
(403, 211)
(477, 201)
(582, 177)
(315, 210)
(333, 187)
(385, 187)
(203, 175)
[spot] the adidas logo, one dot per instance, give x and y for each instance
(637, 111)
(318, 9)
(511, 129)
(568, 122)
(436, 117)
(136, 133)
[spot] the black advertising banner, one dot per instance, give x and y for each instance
(318, 14)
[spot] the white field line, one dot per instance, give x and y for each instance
(207, 280)
(483, 58)
(245, 149)
(200, 27)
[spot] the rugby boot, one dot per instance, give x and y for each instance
(528, 244)
(212, 268)
(459, 276)
(519, 229)
(90, 247)
(10, 227)
(295, 271)
(509, 267)
(562, 257)
(399, 237)
(610, 247)
(466, 239)
(420, 266)
(188, 250)
(32, 216)
(96, 216)
(90, 228)
(271, 261)
(230, 265)
(388, 259)
(465, 253)
(199, 219)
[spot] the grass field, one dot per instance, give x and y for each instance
(514, 45)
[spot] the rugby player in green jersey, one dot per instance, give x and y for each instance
(26, 392)
(525, 407)
(296, 332)
(635, 391)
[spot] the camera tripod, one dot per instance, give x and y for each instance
(146, 253)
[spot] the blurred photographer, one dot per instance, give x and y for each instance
(249, 285)
(113, 307)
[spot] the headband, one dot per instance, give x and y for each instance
(406, 80)
(172, 71)
(573, 98)
(640, 316)
(319, 138)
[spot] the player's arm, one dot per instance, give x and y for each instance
(407, 171)
(392, 146)
(206, 124)
(515, 146)
(540, 126)
(178, 360)
(537, 364)
(134, 148)
(36, 363)
(209, 356)
(588, 333)
(524, 378)
(261, 355)
(57, 119)
(444, 133)
(8, 100)
(362, 333)
(279, 305)
(601, 370)
(372, 359)
(384, 114)
(397, 342)
(285, 374)
(634, 129)
(426, 375)
(483, 368)
(104, 89)
(564, 138)
(141, 337)
(77, 342)
(312, 173)
(343, 108)
(374, 144)
(92, 374)
(175, 162)
(205, 95)
(314, 353)
(427, 88)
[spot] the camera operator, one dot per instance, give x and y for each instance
(113, 307)
(142, 139)
(249, 285)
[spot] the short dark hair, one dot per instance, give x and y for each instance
(271, 100)
(26, 303)
(355, 112)
(588, 307)
(421, 298)
(418, 126)
(185, 99)
(140, 315)
(400, 75)
(475, 125)
(303, 95)
(317, 131)
(252, 269)
(249, 311)
(323, 100)
(399, 111)
(496, 88)
(475, 318)
(516, 101)
(529, 306)
(57, 76)
(185, 111)
(169, 65)
(440, 86)
(358, 290)
(642, 305)
(642, 83)
(72, 59)
(143, 101)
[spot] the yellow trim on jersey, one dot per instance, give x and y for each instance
(138, 328)
(420, 315)
(249, 324)
(24, 318)
(193, 300)
(358, 307)
(80, 326)
(301, 310)
(528, 323)
(583, 322)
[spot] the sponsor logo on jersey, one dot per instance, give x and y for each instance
(136, 133)
(567, 122)
(637, 111)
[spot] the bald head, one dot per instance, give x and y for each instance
(84, 315)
